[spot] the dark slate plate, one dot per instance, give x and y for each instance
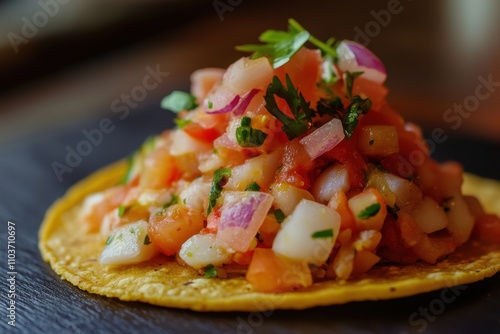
(45, 303)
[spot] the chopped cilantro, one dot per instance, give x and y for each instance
(173, 200)
(322, 234)
(330, 107)
(178, 101)
(280, 46)
(349, 82)
(210, 104)
(303, 114)
(122, 209)
(221, 176)
(279, 215)
(181, 122)
(254, 186)
(369, 211)
(210, 271)
(109, 240)
(148, 145)
(246, 136)
(146, 240)
(350, 119)
(130, 164)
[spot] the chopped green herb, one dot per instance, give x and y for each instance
(349, 82)
(214, 151)
(189, 254)
(109, 240)
(323, 234)
(279, 215)
(122, 209)
(280, 46)
(210, 104)
(254, 186)
(210, 271)
(221, 176)
(130, 164)
(330, 107)
(303, 114)
(146, 240)
(369, 211)
(246, 136)
(410, 178)
(178, 101)
(371, 141)
(181, 122)
(357, 107)
(173, 200)
(148, 145)
(393, 210)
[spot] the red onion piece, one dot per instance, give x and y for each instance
(354, 57)
(242, 214)
(324, 138)
(228, 108)
(245, 101)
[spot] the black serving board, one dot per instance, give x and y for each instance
(47, 304)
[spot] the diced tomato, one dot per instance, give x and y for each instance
(159, 169)
(409, 230)
(363, 261)
(268, 230)
(368, 209)
(296, 165)
(212, 221)
(270, 272)
(195, 130)
(339, 204)
(243, 258)
(168, 232)
(373, 90)
(346, 152)
(487, 227)
(431, 248)
(385, 116)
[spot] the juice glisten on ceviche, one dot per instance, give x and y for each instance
(287, 175)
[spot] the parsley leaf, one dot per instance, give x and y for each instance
(322, 234)
(246, 136)
(181, 122)
(173, 200)
(369, 211)
(122, 209)
(301, 111)
(280, 216)
(280, 45)
(357, 107)
(210, 271)
(328, 48)
(254, 186)
(178, 101)
(349, 82)
(221, 176)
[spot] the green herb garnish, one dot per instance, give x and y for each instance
(279, 215)
(393, 210)
(109, 240)
(146, 240)
(178, 101)
(210, 271)
(303, 114)
(173, 200)
(349, 82)
(130, 164)
(122, 209)
(254, 186)
(350, 119)
(221, 176)
(246, 136)
(181, 122)
(280, 46)
(369, 211)
(323, 234)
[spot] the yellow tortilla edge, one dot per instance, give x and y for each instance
(387, 282)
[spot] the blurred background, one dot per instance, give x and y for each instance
(63, 62)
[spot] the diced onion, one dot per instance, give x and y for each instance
(354, 57)
(324, 138)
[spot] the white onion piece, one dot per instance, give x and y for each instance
(242, 214)
(324, 138)
(330, 181)
(302, 234)
(195, 194)
(354, 57)
(200, 250)
(429, 216)
(128, 244)
(183, 143)
(460, 220)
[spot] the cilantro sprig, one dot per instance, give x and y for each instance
(178, 101)
(280, 46)
(221, 177)
(302, 113)
(246, 136)
(369, 211)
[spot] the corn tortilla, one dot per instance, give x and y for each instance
(73, 254)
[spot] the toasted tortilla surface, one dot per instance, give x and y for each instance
(73, 254)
